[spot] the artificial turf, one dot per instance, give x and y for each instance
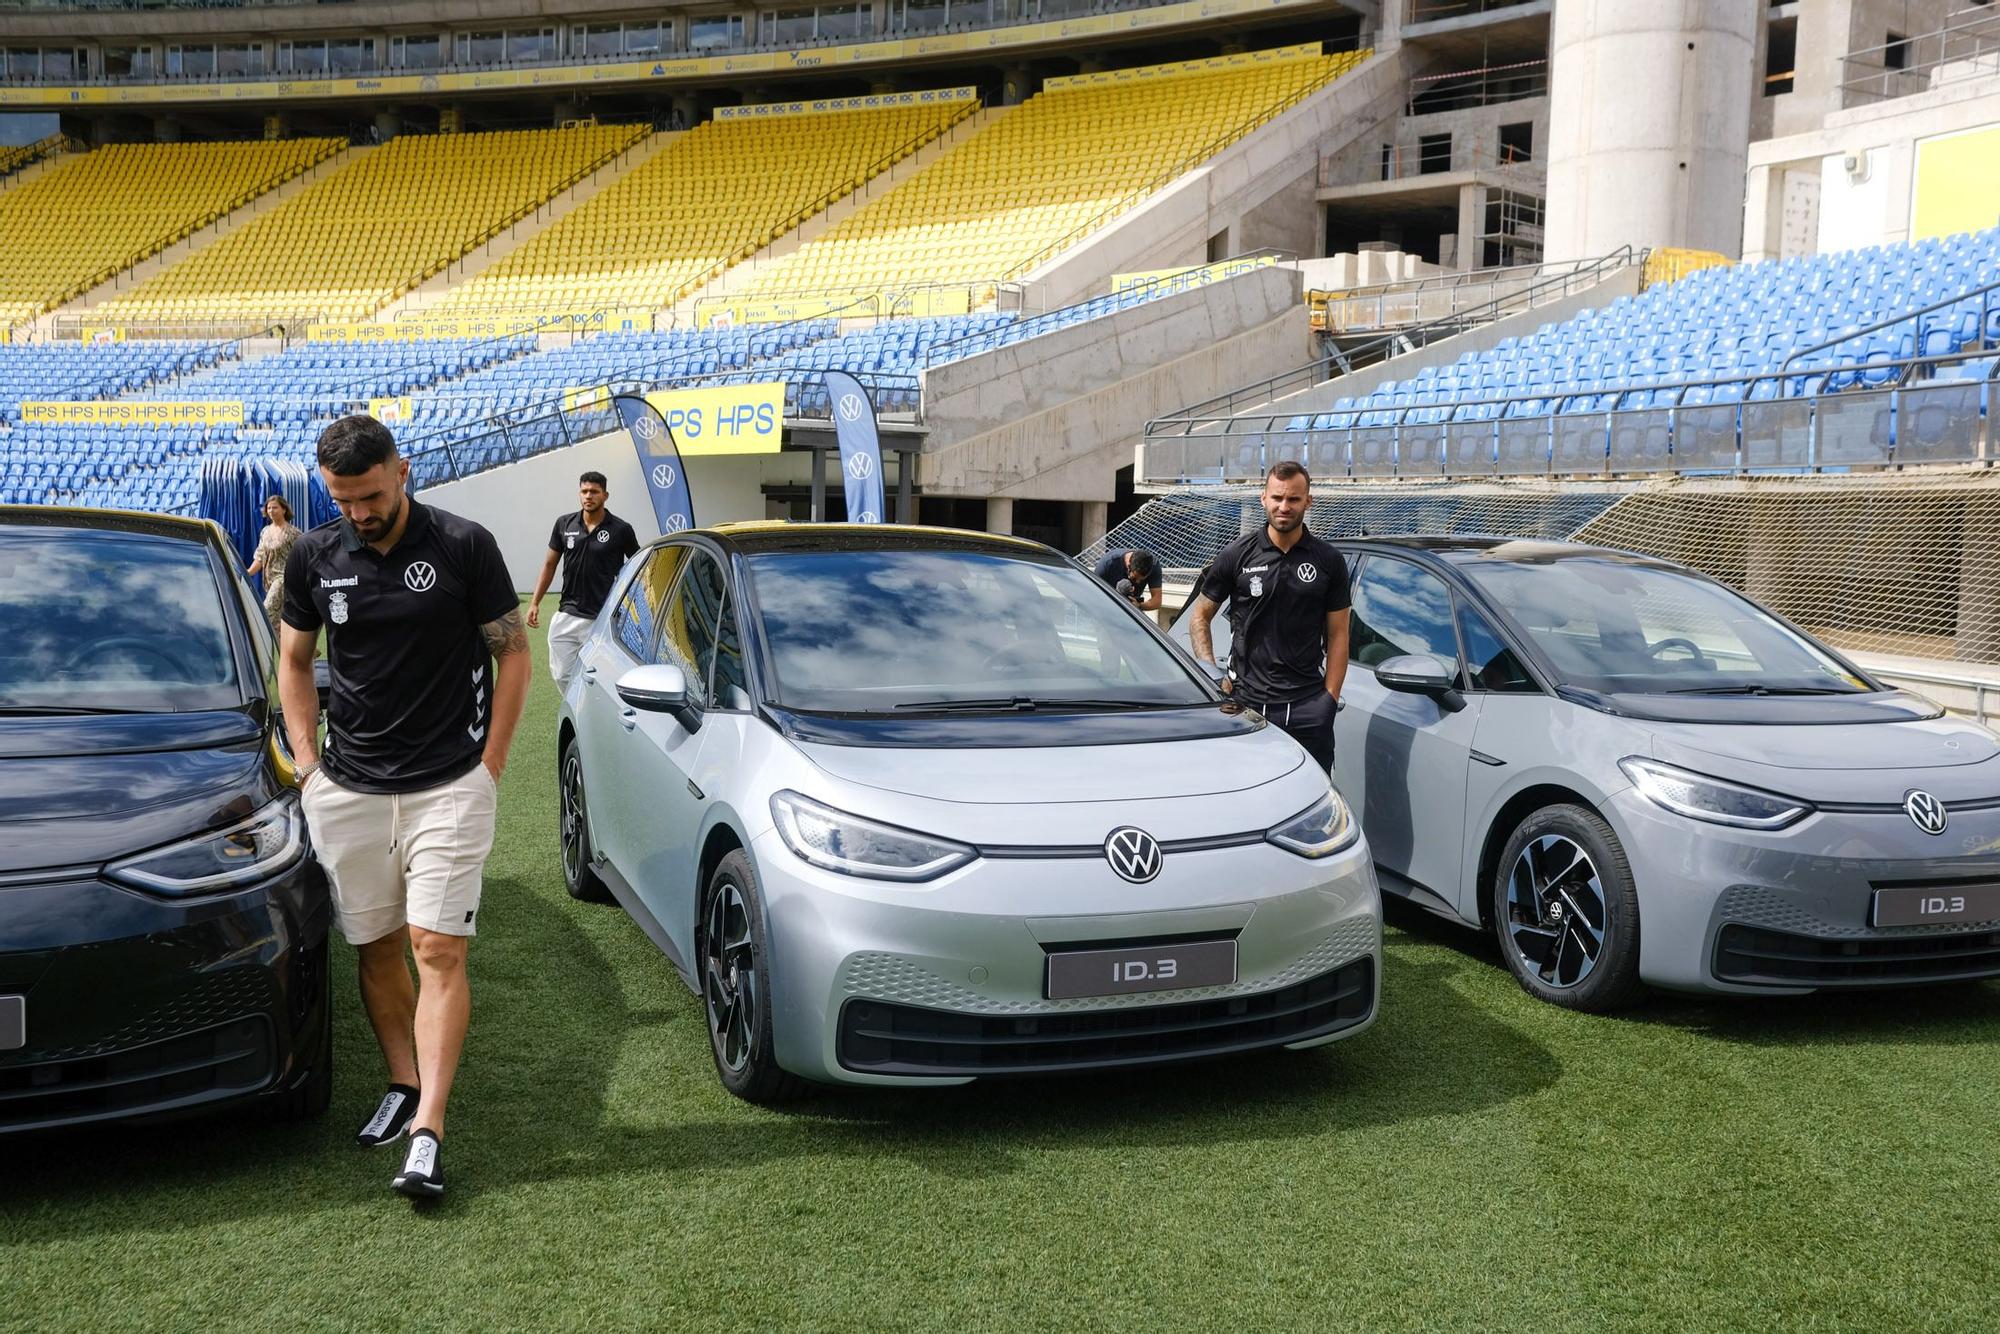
(1475, 1160)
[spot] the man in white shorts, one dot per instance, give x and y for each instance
(429, 670)
(592, 545)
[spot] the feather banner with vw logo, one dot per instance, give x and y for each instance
(860, 447)
(660, 460)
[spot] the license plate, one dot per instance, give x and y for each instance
(1945, 905)
(13, 1022)
(1120, 972)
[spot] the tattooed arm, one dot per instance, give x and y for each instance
(508, 643)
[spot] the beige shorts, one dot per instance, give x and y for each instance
(566, 636)
(403, 859)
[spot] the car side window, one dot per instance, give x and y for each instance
(638, 611)
(693, 624)
(1489, 663)
(731, 689)
(1400, 608)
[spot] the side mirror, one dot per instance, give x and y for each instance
(656, 688)
(1417, 674)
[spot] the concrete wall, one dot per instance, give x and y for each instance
(1649, 124)
(1827, 31)
(1228, 194)
(1874, 207)
(1055, 417)
(1445, 351)
(519, 502)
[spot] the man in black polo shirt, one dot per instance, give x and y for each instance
(1139, 573)
(1288, 612)
(593, 544)
(429, 668)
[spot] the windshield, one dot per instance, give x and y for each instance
(1616, 628)
(101, 621)
(910, 631)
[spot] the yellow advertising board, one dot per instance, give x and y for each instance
(1956, 186)
(585, 399)
(875, 101)
(1192, 275)
(724, 419)
(137, 412)
(390, 411)
(887, 51)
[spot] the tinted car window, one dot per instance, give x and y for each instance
(1611, 626)
(693, 621)
(1489, 663)
(1398, 609)
(103, 620)
(638, 612)
(874, 631)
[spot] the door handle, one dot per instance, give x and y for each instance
(628, 718)
(590, 675)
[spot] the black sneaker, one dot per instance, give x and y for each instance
(391, 1119)
(422, 1177)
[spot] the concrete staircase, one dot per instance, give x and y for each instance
(125, 281)
(433, 289)
(735, 278)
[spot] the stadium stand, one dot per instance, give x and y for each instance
(90, 217)
(374, 229)
(79, 371)
(1720, 335)
(14, 158)
(708, 200)
(308, 384)
(1067, 160)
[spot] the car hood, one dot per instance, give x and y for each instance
(84, 790)
(1862, 762)
(1024, 776)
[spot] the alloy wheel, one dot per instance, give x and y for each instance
(729, 976)
(1556, 912)
(573, 822)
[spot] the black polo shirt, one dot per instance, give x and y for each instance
(1112, 568)
(1278, 604)
(412, 679)
(591, 560)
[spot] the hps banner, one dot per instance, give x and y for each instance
(666, 479)
(860, 447)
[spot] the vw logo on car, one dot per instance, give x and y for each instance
(1134, 854)
(1926, 812)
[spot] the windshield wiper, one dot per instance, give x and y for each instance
(1762, 690)
(1020, 704)
(54, 710)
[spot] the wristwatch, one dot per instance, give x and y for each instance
(305, 771)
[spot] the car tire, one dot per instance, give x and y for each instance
(308, 1099)
(573, 830)
(1566, 911)
(733, 959)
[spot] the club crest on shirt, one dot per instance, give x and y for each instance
(336, 608)
(569, 541)
(1256, 585)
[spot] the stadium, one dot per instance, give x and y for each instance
(1712, 281)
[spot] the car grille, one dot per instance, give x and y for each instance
(1754, 955)
(884, 1039)
(180, 1072)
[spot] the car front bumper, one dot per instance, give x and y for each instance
(139, 1006)
(1753, 912)
(876, 983)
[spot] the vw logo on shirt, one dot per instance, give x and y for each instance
(1133, 853)
(420, 576)
(860, 467)
(1308, 572)
(1926, 812)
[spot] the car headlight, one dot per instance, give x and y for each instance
(1702, 798)
(269, 842)
(836, 841)
(1323, 829)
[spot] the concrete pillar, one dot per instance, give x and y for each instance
(388, 124)
(1000, 514)
(1017, 85)
(1471, 222)
(1096, 522)
(689, 109)
(1649, 125)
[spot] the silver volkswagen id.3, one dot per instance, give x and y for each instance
(905, 805)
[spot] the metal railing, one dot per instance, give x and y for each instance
(1222, 407)
(1979, 689)
(1432, 11)
(1969, 41)
(1488, 85)
(1435, 296)
(1985, 295)
(1752, 426)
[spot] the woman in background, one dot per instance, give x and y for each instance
(274, 544)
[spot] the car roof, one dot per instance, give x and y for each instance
(1467, 549)
(753, 538)
(114, 521)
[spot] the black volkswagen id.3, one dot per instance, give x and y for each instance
(163, 926)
